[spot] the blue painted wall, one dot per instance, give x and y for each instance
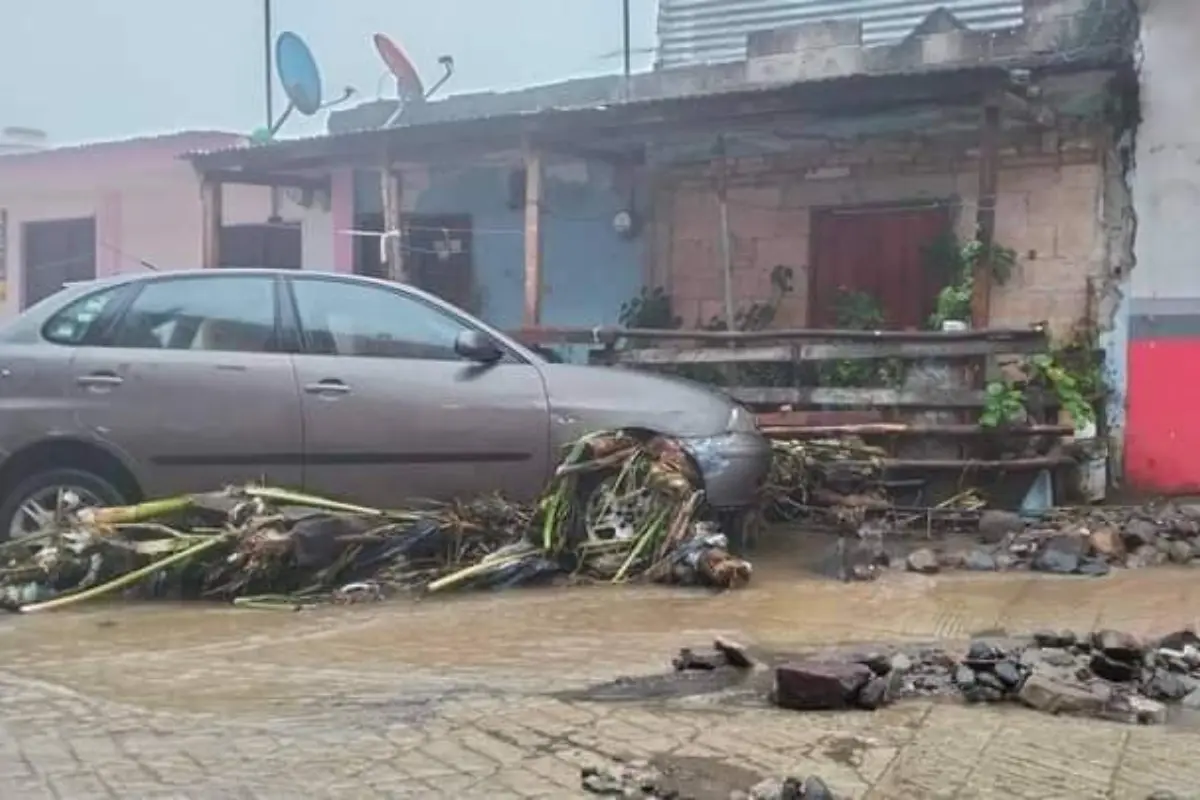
(588, 270)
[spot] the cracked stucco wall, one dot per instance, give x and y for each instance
(1162, 428)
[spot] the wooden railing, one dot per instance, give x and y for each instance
(946, 413)
(658, 349)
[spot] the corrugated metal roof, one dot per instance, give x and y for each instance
(707, 31)
(177, 141)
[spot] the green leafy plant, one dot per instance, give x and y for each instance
(651, 308)
(953, 264)
(1045, 372)
(1003, 404)
(858, 310)
(758, 315)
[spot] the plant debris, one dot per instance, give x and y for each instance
(263, 547)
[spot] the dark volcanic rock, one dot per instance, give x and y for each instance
(1009, 673)
(1056, 694)
(979, 561)
(815, 789)
(817, 685)
(1118, 645)
(991, 680)
(1179, 640)
(691, 660)
(983, 694)
(1093, 567)
(964, 677)
(983, 653)
(1139, 532)
(879, 663)
(1167, 686)
(1113, 670)
(1050, 656)
(874, 694)
(1055, 638)
(994, 525)
(734, 653)
(924, 561)
(1060, 554)
(1179, 552)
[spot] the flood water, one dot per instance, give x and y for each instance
(787, 606)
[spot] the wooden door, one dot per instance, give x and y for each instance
(880, 252)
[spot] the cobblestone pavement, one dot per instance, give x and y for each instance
(459, 698)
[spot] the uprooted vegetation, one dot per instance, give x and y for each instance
(259, 545)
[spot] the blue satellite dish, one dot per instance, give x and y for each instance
(298, 73)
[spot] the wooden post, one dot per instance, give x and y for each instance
(392, 249)
(985, 214)
(211, 200)
(533, 239)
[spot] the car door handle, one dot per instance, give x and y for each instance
(327, 386)
(100, 379)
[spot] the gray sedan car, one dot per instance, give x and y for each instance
(153, 384)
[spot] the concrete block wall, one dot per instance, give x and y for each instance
(1048, 210)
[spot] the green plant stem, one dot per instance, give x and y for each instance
(128, 579)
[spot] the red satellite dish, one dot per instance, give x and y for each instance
(408, 82)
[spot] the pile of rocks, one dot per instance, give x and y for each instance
(640, 779)
(1086, 541)
(1108, 674)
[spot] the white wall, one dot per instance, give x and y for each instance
(1166, 182)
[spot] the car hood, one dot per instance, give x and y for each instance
(584, 399)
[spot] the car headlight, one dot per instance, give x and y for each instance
(742, 420)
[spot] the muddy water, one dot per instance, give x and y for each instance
(787, 605)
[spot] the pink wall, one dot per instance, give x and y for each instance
(146, 202)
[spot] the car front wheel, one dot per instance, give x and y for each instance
(36, 501)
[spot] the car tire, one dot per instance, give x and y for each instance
(76, 479)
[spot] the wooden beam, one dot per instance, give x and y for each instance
(830, 351)
(392, 251)
(533, 238)
(829, 397)
(274, 180)
(985, 213)
(772, 431)
(551, 334)
(212, 213)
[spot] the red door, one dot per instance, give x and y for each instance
(877, 252)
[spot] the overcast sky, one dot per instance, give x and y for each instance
(85, 70)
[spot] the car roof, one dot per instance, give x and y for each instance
(82, 287)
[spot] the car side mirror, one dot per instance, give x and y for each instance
(478, 347)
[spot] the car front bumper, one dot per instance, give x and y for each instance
(733, 466)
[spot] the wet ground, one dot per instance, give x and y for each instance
(480, 696)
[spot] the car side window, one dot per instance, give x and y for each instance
(231, 313)
(348, 319)
(73, 324)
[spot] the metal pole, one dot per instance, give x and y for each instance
(625, 21)
(723, 238)
(268, 68)
(269, 91)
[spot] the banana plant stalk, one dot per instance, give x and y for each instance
(287, 497)
(142, 512)
(128, 579)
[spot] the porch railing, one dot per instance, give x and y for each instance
(943, 404)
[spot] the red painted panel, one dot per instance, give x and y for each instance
(1162, 426)
(879, 252)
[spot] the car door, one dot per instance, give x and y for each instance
(392, 413)
(191, 382)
